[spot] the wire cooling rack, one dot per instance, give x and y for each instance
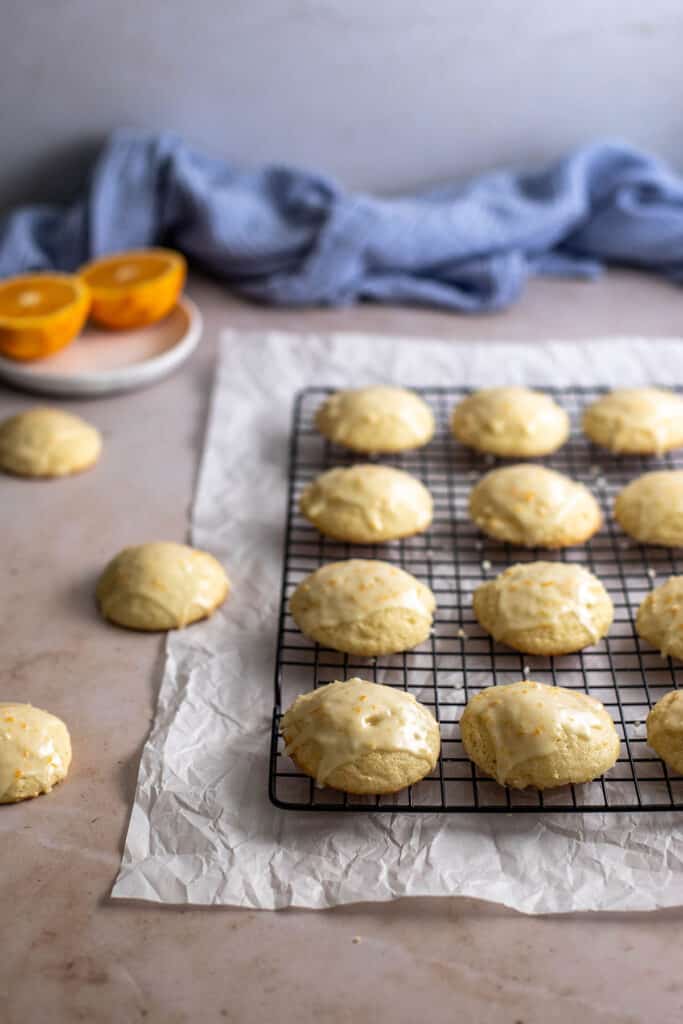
(460, 659)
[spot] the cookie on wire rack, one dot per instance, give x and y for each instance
(650, 508)
(511, 422)
(530, 734)
(531, 506)
(636, 421)
(367, 504)
(376, 420)
(544, 608)
(660, 618)
(361, 737)
(362, 606)
(665, 729)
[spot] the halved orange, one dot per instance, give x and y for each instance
(41, 313)
(132, 289)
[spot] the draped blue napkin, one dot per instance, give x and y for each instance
(296, 238)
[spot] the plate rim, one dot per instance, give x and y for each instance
(118, 379)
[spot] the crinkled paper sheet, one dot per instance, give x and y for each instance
(202, 830)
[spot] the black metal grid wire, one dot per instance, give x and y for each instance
(460, 659)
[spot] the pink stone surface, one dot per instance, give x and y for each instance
(69, 953)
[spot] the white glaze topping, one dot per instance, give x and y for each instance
(347, 720)
(349, 591)
(535, 594)
(525, 495)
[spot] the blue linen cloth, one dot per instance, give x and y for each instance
(295, 238)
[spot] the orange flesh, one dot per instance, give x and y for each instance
(126, 272)
(34, 297)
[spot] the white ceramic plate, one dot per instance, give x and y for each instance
(101, 362)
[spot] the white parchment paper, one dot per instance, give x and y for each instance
(202, 830)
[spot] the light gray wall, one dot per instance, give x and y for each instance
(385, 94)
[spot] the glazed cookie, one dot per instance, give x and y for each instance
(544, 608)
(660, 618)
(650, 508)
(45, 442)
(363, 607)
(511, 422)
(665, 729)
(380, 419)
(367, 504)
(532, 506)
(161, 586)
(530, 734)
(361, 737)
(35, 752)
(636, 421)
